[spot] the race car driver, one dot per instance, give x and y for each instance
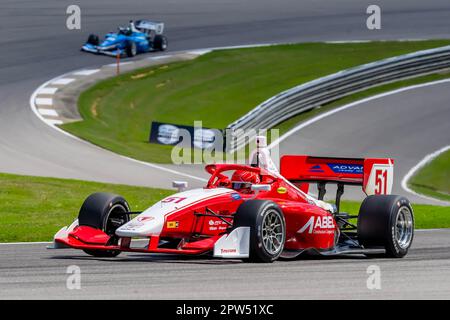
(242, 181)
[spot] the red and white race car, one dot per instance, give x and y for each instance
(255, 213)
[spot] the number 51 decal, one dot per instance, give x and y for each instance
(380, 179)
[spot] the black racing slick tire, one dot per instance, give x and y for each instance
(386, 221)
(131, 49)
(93, 39)
(107, 212)
(267, 229)
(160, 43)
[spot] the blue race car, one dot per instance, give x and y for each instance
(139, 37)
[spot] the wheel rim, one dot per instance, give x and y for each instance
(404, 227)
(115, 219)
(133, 49)
(272, 232)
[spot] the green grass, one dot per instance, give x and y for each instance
(434, 179)
(216, 88)
(34, 208)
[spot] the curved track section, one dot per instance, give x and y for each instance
(37, 47)
(406, 124)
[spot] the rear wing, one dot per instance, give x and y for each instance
(375, 175)
(157, 27)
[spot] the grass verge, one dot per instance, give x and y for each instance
(217, 89)
(34, 208)
(434, 179)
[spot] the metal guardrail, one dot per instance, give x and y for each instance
(329, 88)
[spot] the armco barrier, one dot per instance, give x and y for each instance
(318, 92)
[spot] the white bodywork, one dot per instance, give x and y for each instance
(151, 221)
(158, 27)
(63, 233)
(233, 245)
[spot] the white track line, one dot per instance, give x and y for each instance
(63, 81)
(160, 57)
(416, 168)
(22, 243)
(350, 105)
(54, 121)
(44, 101)
(48, 91)
(48, 112)
(120, 64)
(86, 72)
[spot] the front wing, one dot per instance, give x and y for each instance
(95, 49)
(233, 245)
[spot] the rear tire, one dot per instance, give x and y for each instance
(267, 229)
(93, 39)
(386, 221)
(104, 211)
(160, 43)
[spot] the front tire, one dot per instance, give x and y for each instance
(131, 49)
(107, 212)
(93, 39)
(267, 229)
(386, 221)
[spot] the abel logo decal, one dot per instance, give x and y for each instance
(318, 225)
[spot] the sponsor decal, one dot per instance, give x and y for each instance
(172, 224)
(204, 138)
(346, 168)
(132, 225)
(316, 168)
(236, 196)
(217, 224)
(142, 219)
(282, 190)
(228, 251)
(168, 134)
(318, 225)
(186, 136)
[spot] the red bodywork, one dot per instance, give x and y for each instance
(193, 228)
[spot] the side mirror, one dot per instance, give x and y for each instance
(261, 187)
(180, 185)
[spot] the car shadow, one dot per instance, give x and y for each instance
(201, 260)
(154, 258)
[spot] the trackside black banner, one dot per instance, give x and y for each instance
(186, 136)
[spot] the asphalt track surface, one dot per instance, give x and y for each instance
(37, 273)
(36, 47)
